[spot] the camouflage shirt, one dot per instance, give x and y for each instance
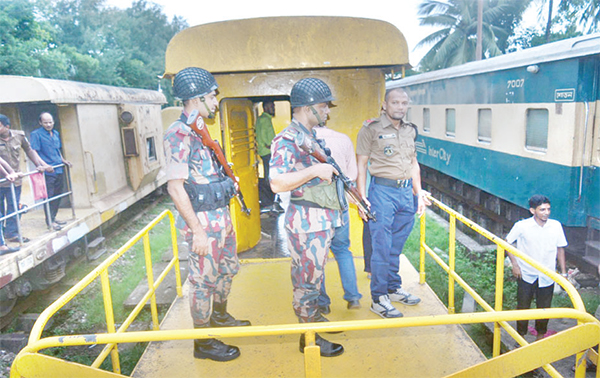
(189, 159)
(287, 157)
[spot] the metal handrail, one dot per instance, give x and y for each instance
(502, 246)
(312, 355)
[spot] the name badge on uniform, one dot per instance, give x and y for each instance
(388, 136)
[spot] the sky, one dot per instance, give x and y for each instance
(401, 13)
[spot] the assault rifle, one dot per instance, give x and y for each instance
(307, 145)
(214, 145)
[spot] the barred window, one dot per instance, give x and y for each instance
(451, 122)
(484, 125)
(536, 137)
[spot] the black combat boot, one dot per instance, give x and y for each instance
(214, 349)
(328, 349)
(221, 318)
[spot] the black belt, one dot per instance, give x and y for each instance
(306, 203)
(393, 183)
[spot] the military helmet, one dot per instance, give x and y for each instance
(193, 82)
(310, 91)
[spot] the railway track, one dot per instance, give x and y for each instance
(43, 298)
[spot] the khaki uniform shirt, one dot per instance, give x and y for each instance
(10, 151)
(390, 151)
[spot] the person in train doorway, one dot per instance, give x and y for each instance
(387, 146)
(314, 209)
(342, 151)
(6, 172)
(201, 194)
(45, 140)
(11, 144)
(264, 136)
(542, 239)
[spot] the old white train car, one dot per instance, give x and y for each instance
(113, 137)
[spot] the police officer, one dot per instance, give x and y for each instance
(395, 195)
(314, 209)
(201, 193)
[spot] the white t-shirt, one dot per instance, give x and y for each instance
(539, 243)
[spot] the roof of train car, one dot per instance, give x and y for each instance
(34, 89)
(565, 49)
(287, 43)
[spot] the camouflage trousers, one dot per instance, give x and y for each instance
(309, 254)
(211, 275)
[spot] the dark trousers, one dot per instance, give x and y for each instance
(10, 230)
(265, 194)
(543, 299)
(54, 186)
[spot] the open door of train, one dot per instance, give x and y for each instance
(240, 148)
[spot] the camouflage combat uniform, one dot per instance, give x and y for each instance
(210, 275)
(309, 229)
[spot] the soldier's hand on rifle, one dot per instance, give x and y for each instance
(324, 171)
(362, 214)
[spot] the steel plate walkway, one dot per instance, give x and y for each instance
(262, 293)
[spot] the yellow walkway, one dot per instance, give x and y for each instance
(262, 293)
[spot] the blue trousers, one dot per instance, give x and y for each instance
(10, 230)
(395, 210)
(340, 246)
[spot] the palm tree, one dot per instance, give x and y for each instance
(455, 42)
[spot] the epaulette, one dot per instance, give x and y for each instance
(18, 132)
(289, 134)
(368, 122)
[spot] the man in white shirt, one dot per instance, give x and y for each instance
(543, 240)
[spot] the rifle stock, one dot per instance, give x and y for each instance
(349, 186)
(202, 130)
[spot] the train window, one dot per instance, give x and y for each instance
(451, 122)
(536, 137)
(484, 125)
(151, 149)
(426, 120)
(409, 115)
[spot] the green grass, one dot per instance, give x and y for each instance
(85, 314)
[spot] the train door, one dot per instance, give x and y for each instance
(240, 148)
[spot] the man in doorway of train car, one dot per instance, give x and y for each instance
(11, 143)
(46, 142)
(8, 173)
(342, 151)
(542, 239)
(314, 209)
(395, 195)
(201, 193)
(264, 135)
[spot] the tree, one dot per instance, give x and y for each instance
(455, 42)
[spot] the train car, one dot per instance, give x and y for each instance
(112, 136)
(258, 59)
(495, 132)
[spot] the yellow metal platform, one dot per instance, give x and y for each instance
(262, 293)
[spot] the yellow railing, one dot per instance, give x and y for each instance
(102, 272)
(585, 335)
(501, 247)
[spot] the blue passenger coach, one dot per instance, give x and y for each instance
(512, 126)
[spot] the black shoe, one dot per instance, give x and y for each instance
(62, 223)
(15, 239)
(221, 318)
(325, 309)
(328, 349)
(353, 305)
(321, 319)
(56, 226)
(7, 250)
(215, 350)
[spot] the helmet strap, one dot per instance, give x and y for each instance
(320, 122)
(211, 114)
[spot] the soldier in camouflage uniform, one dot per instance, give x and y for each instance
(313, 212)
(201, 193)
